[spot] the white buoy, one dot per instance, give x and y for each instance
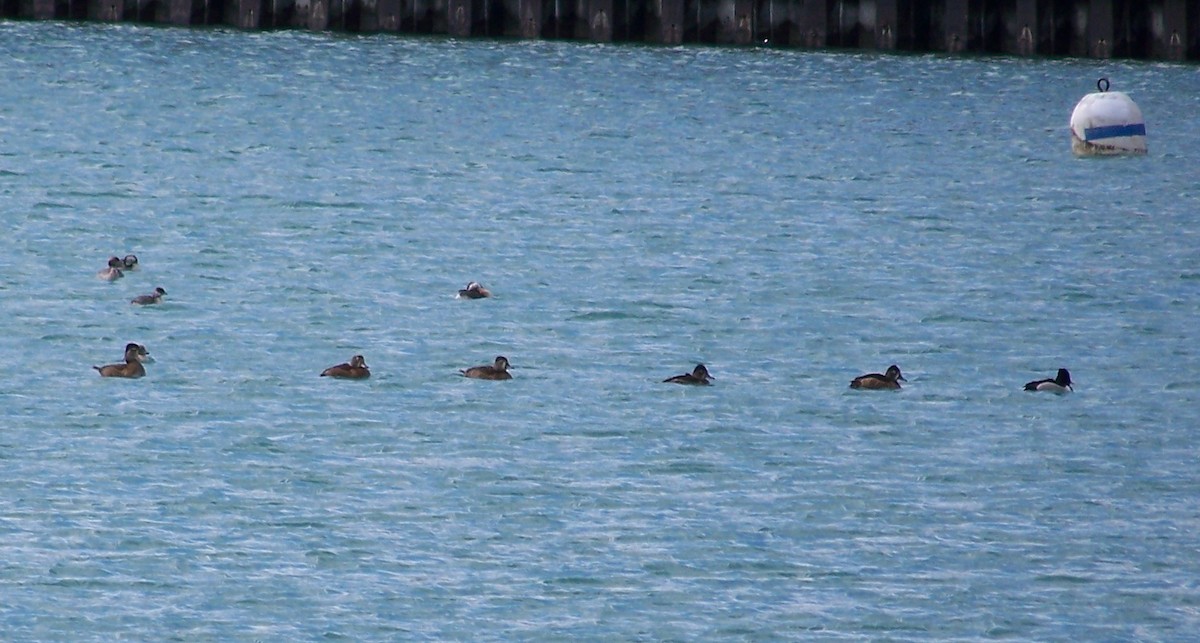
(1107, 122)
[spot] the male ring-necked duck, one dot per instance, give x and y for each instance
(130, 262)
(113, 271)
(146, 300)
(889, 380)
(474, 291)
(1060, 384)
(355, 370)
(135, 354)
(495, 371)
(698, 376)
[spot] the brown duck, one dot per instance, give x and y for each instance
(134, 354)
(355, 370)
(889, 380)
(495, 371)
(699, 376)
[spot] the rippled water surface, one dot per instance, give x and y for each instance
(791, 219)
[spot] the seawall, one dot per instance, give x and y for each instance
(1139, 29)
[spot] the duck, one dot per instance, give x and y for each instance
(355, 370)
(495, 371)
(135, 354)
(888, 380)
(474, 291)
(699, 376)
(130, 262)
(152, 298)
(1060, 384)
(113, 271)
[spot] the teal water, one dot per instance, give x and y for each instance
(791, 219)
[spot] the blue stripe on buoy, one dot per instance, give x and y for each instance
(1114, 131)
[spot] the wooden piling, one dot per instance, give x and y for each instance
(664, 22)
(387, 16)
(734, 22)
(1168, 30)
(886, 25)
(179, 12)
(1099, 28)
(529, 16)
(1021, 32)
(809, 24)
(37, 9)
(772, 22)
(424, 16)
(106, 10)
(1137, 29)
(243, 14)
(598, 17)
(459, 21)
(954, 31)
(318, 15)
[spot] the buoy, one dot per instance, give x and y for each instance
(1107, 122)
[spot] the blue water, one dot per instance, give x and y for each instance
(791, 219)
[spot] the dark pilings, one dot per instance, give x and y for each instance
(277, 14)
(772, 22)
(318, 14)
(955, 22)
(1100, 28)
(1137, 29)
(843, 23)
(1169, 35)
(1022, 33)
(887, 27)
(530, 18)
(599, 15)
(809, 23)
(664, 22)
(423, 16)
(37, 9)
(106, 10)
(734, 22)
(387, 15)
(179, 12)
(244, 14)
(459, 20)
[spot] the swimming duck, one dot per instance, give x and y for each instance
(1060, 384)
(130, 262)
(146, 300)
(889, 380)
(496, 371)
(113, 271)
(355, 370)
(474, 291)
(698, 376)
(132, 368)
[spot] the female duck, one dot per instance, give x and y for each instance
(152, 298)
(132, 368)
(889, 380)
(355, 370)
(1060, 384)
(130, 262)
(495, 371)
(699, 376)
(474, 291)
(113, 271)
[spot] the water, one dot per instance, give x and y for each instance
(791, 219)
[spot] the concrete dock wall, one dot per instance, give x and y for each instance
(1142, 29)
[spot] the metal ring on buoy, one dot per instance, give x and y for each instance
(1102, 84)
